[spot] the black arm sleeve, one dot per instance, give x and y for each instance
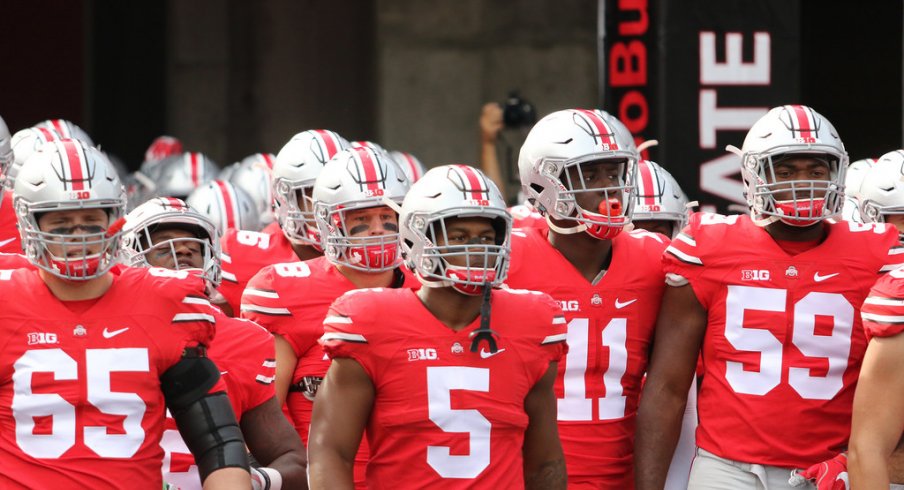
(206, 421)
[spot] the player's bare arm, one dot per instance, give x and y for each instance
(878, 418)
(679, 333)
(274, 443)
(344, 401)
(544, 463)
(285, 368)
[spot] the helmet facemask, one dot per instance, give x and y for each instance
(797, 203)
(66, 253)
(368, 253)
(468, 267)
(140, 246)
(295, 212)
(578, 180)
(873, 212)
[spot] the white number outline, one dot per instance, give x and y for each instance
(99, 364)
(575, 406)
(441, 380)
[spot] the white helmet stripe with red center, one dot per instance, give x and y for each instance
(61, 128)
(329, 141)
(648, 184)
(369, 173)
(47, 134)
(598, 128)
(471, 182)
(802, 120)
(75, 170)
(228, 202)
(195, 169)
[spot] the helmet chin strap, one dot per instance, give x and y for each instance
(574, 230)
(484, 333)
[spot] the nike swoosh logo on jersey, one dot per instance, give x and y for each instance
(484, 354)
(4, 242)
(619, 305)
(818, 278)
(110, 334)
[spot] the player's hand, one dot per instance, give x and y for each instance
(829, 475)
(490, 122)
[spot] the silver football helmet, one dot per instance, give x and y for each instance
(226, 205)
(67, 175)
(24, 143)
(853, 178)
(66, 130)
(443, 193)
(786, 132)
(357, 178)
(165, 213)
(659, 197)
(412, 167)
(177, 176)
(556, 149)
(253, 175)
(882, 189)
(6, 149)
(297, 166)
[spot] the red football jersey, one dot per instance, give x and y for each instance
(291, 300)
(246, 252)
(272, 229)
(246, 356)
(10, 239)
(783, 337)
(443, 416)
(525, 216)
(80, 398)
(883, 310)
(14, 261)
(610, 325)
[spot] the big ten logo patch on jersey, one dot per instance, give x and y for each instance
(38, 338)
(755, 275)
(569, 305)
(428, 354)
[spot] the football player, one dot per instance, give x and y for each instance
(297, 166)
(453, 382)
(92, 360)
(853, 180)
(661, 205)
(773, 299)
(226, 205)
(578, 169)
(878, 419)
(360, 237)
(881, 192)
(9, 234)
(165, 232)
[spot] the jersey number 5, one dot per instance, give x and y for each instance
(441, 380)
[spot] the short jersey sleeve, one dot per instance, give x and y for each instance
(191, 316)
(345, 332)
(262, 304)
(253, 354)
(553, 334)
(883, 309)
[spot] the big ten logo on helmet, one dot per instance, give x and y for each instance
(477, 202)
(755, 275)
(79, 195)
(427, 354)
(570, 305)
(374, 192)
